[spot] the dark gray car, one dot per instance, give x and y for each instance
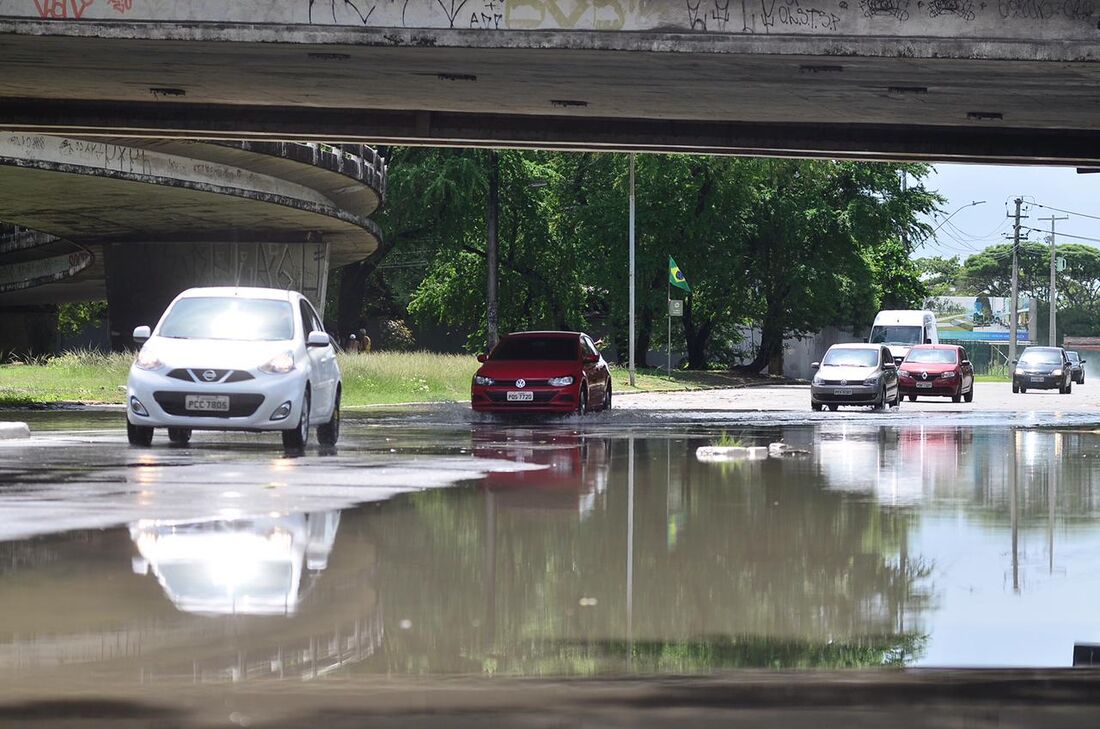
(1043, 368)
(1078, 365)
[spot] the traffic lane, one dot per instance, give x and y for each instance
(988, 397)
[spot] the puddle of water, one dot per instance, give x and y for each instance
(566, 552)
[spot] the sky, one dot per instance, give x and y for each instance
(976, 227)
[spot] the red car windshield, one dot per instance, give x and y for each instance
(561, 349)
(932, 356)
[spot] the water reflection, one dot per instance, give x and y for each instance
(256, 566)
(624, 553)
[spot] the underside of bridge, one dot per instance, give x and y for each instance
(1012, 81)
(137, 221)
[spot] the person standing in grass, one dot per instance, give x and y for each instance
(352, 346)
(364, 342)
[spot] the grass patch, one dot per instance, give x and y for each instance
(396, 377)
(82, 376)
(376, 379)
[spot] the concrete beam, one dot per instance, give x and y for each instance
(986, 141)
(504, 23)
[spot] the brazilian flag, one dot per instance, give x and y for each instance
(676, 276)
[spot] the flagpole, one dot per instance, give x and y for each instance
(668, 313)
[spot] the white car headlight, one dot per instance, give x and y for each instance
(947, 375)
(560, 381)
(1057, 372)
(147, 361)
(479, 380)
(871, 381)
(280, 364)
(818, 380)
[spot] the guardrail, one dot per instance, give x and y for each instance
(354, 160)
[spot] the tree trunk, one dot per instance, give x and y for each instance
(353, 287)
(770, 354)
(697, 334)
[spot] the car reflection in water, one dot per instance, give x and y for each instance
(574, 480)
(251, 566)
(898, 466)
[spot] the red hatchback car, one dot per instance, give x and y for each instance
(542, 372)
(939, 370)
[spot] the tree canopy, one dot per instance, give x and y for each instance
(790, 246)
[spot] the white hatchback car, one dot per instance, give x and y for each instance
(235, 359)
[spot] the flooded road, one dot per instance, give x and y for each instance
(426, 548)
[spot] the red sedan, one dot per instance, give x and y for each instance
(939, 370)
(542, 372)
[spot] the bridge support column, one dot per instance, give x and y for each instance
(143, 278)
(28, 330)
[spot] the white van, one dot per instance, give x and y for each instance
(900, 329)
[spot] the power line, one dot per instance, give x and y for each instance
(1068, 212)
(1064, 235)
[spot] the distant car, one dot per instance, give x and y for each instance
(235, 359)
(1043, 368)
(542, 372)
(939, 370)
(1077, 366)
(855, 374)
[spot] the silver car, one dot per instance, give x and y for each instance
(855, 374)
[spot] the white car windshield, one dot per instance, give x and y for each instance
(249, 320)
(896, 335)
(1041, 357)
(932, 356)
(851, 358)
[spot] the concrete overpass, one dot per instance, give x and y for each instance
(136, 221)
(990, 80)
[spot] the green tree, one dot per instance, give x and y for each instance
(813, 225)
(940, 275)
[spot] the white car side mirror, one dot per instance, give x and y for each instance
(142, 334)
(318, 339)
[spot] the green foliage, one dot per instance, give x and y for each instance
(794, 244)
(396, 336)
(940, 275)
(73, 318)
(725, 440)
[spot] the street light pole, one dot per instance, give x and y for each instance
(944, 221)
(492, 249)
(632, 269)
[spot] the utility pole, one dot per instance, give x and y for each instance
(492, 249)
(1052, 340)
(1015, 301)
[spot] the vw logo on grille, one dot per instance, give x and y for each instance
(209, 375)
(844, 382)
(521, 383)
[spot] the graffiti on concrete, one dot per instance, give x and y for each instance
(347, 9)
(489, 17)
(897, 9)
(960, 8)
(36, 272)
(789, 14)
(940, 18)
(62, 9)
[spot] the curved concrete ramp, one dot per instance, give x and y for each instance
(139, 220)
